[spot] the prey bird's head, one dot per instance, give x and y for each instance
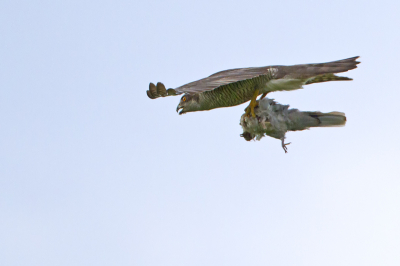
(247, 136)
(190, 102)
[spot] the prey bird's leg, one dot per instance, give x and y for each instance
(284, 144)
(253, 103)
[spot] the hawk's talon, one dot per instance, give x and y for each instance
(249, 110)
(253, 103)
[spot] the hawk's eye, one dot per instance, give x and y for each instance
(184, 99)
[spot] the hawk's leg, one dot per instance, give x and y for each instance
(253, 104)
(248, 108)
(284, 144)
(263, 96)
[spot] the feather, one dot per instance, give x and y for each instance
(236, 86)
(303, 72)
(161, 89)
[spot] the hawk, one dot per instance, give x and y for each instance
(236, 86)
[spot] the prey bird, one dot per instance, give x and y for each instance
(274, 120)
(236, 86)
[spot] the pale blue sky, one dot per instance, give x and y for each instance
(92, 172)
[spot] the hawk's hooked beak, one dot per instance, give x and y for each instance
(179, 107)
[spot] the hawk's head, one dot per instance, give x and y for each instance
(189, 102)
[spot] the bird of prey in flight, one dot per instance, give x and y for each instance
(236, 86)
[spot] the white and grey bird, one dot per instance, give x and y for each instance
(274, 120)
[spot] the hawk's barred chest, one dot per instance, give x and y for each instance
(234, 93)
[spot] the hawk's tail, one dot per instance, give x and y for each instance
(325, 77)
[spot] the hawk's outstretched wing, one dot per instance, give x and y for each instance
(309, 73)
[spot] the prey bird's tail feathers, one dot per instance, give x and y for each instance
(298, 120)
(332, 119)
(303, 120)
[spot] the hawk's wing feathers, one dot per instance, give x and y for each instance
(224, 78)
(159, 91)
(309, 73)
